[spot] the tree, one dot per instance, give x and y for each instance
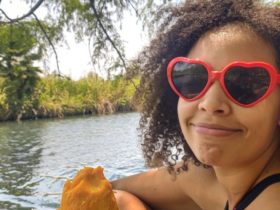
(25, 39)
(19, 48)
(95, 20)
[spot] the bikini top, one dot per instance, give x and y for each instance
(255, 191)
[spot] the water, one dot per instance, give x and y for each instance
(36, 157)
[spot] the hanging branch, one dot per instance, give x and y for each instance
(49, 40)
(106, 34)
(133, 7)
(31, 11)
(92, 2)
(89, 51)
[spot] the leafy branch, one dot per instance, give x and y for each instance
(31, 11)
(106, 34)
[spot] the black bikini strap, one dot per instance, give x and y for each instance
(255, 191)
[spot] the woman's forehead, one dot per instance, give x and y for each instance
(232, 43)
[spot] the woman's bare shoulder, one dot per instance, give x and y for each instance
(268, 199)
(128, 201)
(195, 188)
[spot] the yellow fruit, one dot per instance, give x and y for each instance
(89, 190)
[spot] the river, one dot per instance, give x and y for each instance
(36, 157)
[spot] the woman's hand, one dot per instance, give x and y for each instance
(128, 201)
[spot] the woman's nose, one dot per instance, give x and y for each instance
(215, 101)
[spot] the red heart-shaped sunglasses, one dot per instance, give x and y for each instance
(245, 83)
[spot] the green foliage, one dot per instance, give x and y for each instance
(99, 21)
(123, 90)
(17, 54)
(54, 96)
(23, 93)
(62, 96)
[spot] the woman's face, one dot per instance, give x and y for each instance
(220, 132)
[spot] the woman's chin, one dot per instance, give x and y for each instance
(210, 155)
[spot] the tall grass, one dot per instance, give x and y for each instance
(57, 97)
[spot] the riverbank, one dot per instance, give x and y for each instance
(61, 111)
(57, 97)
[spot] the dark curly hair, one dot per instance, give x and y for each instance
(181, 26)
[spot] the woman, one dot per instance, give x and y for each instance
(213, 122)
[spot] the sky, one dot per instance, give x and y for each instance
(74, 58)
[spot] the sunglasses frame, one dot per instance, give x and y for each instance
(219, 75)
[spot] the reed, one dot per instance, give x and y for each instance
(59, 96)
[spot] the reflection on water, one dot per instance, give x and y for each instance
(37, 156)
(20, 154)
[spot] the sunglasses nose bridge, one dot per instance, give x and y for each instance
(216, 75)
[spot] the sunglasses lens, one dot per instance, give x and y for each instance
(247, 85)
(189, 79)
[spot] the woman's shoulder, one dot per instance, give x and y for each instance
(269, 197)
(269, 181)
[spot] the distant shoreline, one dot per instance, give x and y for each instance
(106, 109)
(56, 97)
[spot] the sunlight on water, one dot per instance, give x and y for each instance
(36, 157)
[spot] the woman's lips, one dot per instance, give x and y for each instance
(214, 130)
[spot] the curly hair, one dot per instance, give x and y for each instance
(181, 26)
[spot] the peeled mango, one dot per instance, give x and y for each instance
(89, 190)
